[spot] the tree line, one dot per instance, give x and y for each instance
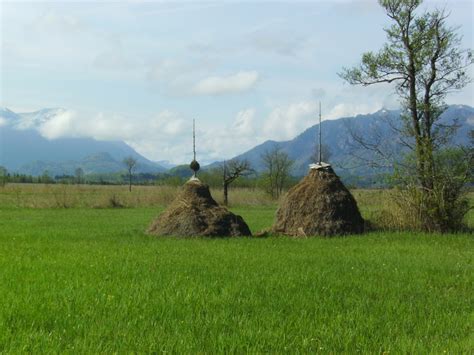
(275, 178)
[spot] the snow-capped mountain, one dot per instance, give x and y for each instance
(8, 117)
(28, 120)
(22, 147)
(34, 120)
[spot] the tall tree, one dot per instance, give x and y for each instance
(277, 165)
(131, 164)
(423, 60)
(231, 171)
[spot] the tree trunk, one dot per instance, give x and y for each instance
(428, 121)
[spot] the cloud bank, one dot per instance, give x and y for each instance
(218, 85)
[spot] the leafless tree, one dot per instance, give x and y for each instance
(231, 171)
(79, 174)
(131, 164)
(278, 165)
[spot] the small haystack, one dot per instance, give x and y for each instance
(319, 205)
(195, 213)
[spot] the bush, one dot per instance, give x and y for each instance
(442, 208)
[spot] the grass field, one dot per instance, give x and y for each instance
(89, 280)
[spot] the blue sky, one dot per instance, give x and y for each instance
(140, 71)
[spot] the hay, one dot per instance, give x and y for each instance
(195, 213)
(319, 204)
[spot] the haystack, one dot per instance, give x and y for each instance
(319, 204)
(195, 213)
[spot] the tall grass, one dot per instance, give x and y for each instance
(377, 206)
(100, 196)
(385, 211)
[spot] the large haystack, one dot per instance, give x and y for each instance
(195, 213)
(319, 205)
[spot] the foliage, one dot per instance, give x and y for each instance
(443, 207)
(45, 178)
(424, 61)
(3, 176)
(181, 171)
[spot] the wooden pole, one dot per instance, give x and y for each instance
(320, 141)
(194, 139)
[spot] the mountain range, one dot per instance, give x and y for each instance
(345, 152)
(24, 150)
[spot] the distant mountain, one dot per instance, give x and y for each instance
(166, 164)
(8, 117)
(335, 135)
(23, 149)
(100, 163)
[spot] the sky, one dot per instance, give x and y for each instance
(247, 71)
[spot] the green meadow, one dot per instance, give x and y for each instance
(89, 280)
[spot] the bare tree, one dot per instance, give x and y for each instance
(278, 166)
(79, 174)
(231, 171)
(325, 153)
(131, 164)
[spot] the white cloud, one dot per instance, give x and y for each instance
(59, 125)
(217, 85)
(352, 109)
(54, 21)
(285, 122)
(165, 135)
(244, 122)
(228, 140)
(169, 123)
(174, 77)
(3, 122)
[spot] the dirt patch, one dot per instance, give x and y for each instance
(195, 213)
(319, 204)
